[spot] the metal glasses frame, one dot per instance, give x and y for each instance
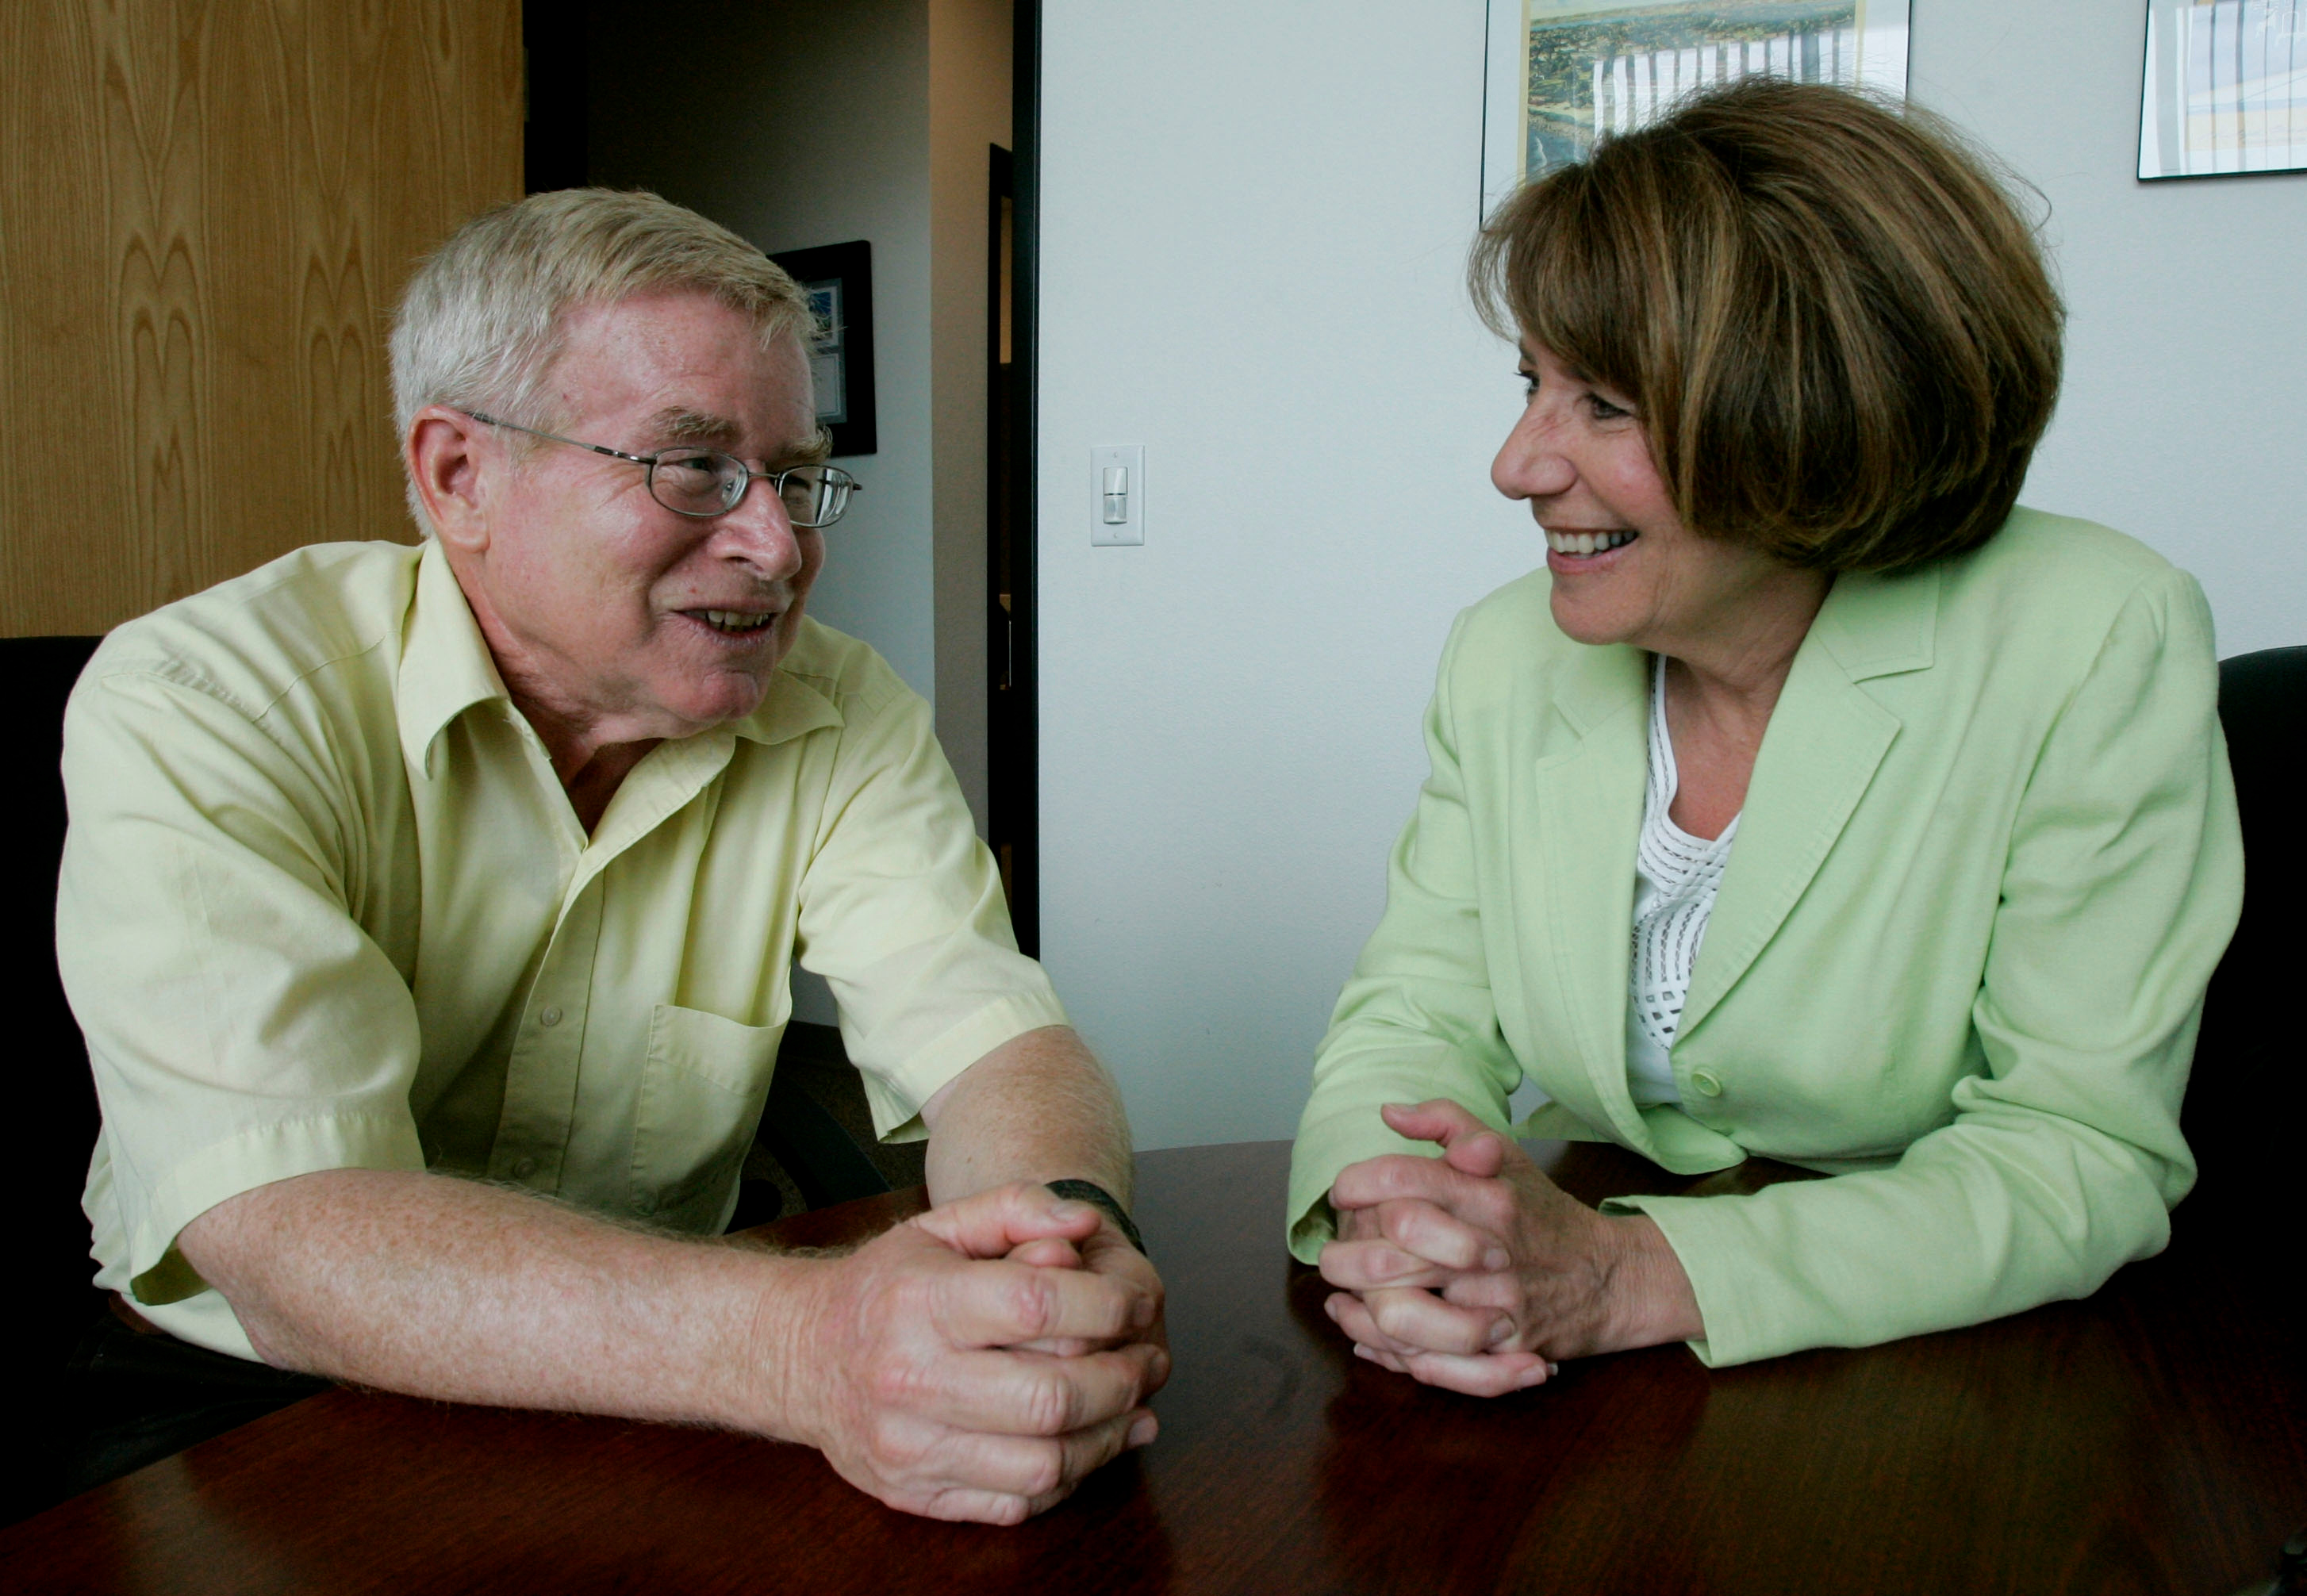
(844, 483)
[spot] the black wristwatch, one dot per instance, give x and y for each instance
(1097, 1196)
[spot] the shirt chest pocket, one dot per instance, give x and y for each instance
(701, 1094)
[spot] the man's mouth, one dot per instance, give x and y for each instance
(1576, 544)
(735, 623)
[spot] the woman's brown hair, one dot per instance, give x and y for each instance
(1833, 323)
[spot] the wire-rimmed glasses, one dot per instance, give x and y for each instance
(705, 482)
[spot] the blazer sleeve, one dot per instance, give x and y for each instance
(2062, 1157)
(1416, 1020)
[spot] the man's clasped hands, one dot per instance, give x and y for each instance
(981, 1359)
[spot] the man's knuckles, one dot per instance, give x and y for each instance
(902, 1385)
(1049, 1404)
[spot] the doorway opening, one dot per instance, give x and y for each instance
(1011, 785)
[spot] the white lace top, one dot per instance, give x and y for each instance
(1675, 878)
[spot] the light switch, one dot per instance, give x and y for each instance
(1119, 476)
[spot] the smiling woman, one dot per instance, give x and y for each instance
(1814, 802)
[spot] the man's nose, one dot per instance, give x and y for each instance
(761, 531)
(1531, 464)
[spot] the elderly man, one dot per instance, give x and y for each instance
(429, 913)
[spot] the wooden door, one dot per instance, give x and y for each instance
(208, 209)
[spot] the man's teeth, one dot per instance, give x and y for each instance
(1587, 543)
(734, 620)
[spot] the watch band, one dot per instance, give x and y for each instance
(1097, 1196)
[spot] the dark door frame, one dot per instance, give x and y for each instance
(1013, 652)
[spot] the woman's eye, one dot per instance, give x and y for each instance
(1602, 409)
(1528, 382)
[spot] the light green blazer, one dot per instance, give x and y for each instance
(1988, 859)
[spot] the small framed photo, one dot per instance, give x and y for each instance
(838, 278)
(1563, 73)
(2222, 88)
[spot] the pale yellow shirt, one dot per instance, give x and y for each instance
(324, 905)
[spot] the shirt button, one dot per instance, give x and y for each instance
(551, 1016)
(1706, 1081)
(523, 1169)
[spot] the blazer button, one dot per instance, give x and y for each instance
(550, 1017)
(524, 1169)
(1707, 1082)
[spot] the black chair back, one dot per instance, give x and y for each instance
(2246, 1087)
(52, 1089)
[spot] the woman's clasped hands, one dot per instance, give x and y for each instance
(1475, 1271)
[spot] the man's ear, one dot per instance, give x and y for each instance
(443, 456)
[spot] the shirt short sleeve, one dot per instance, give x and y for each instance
(902, 911)
(242, 1027)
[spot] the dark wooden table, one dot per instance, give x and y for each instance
(2152, 1440)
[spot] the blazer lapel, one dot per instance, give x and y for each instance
(1827, 737)
(1587, 803)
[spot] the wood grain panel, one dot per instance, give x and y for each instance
(208, 209)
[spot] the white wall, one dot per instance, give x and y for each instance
(2183, 420)
(1253, 228)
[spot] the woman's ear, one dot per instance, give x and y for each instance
(444, 463)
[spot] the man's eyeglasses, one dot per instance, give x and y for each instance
(706, 483)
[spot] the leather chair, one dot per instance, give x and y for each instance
(2245, 1092)
(53, 1100)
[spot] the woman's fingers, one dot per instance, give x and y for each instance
(1475, 1373)
(1403, 1177)
(1398, 1239)
(1489, 1374)
(1385, 1361)
(1372, 1266)
(1436, 1119)
(1404, 1322)
(1439, 1236)
(1422, 1321)
(1351, 1315)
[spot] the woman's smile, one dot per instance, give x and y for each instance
(1569, 549)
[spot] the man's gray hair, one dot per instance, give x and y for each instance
(484, 317)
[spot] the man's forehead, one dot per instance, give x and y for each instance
(685, 369)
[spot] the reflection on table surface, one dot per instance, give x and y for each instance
(2151, 1439)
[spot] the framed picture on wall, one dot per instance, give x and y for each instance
(2222, 88)
(838, 278)
(1561, 73)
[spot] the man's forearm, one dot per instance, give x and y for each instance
(1040, 1107)
(890, 1359)
(443, 1287)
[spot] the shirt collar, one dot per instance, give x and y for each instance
(446, 668)
(445, 665)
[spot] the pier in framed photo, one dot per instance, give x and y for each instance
(2224, 87)
(1564, 72)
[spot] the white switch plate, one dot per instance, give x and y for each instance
(1130, 457)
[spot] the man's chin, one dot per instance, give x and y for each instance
(722, 697)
